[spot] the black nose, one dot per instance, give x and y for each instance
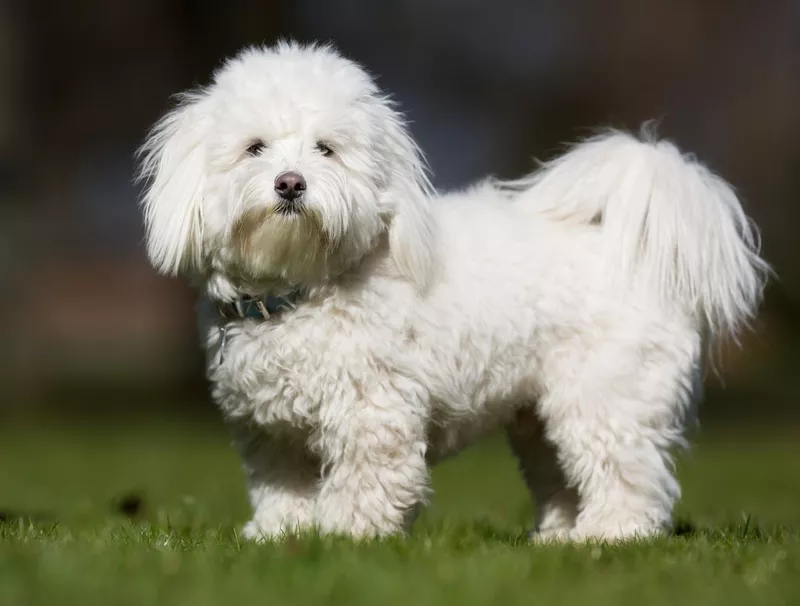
(290, 185)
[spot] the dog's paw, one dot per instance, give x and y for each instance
(550, 536)
(595, 534)
(252, 531)
(261, 532)
(614, 533)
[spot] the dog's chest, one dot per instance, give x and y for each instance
(267, 374)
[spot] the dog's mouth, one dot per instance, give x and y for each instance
(283, 242)
(288, 208)
(253, 219)
(292, 214)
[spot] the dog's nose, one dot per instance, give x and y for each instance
(290, 185)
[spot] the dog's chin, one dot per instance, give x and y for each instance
(282, 243)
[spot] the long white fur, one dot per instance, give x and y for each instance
(173, 161)
(669, 223)
(571, 308)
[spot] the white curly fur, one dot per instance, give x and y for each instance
(571, 308)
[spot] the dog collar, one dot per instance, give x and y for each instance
(258, 308)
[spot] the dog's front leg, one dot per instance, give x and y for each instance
(282, 482)
(374, 470)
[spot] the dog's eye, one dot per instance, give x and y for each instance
(255, 148)
(324, 149)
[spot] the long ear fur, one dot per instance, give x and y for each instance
(172, 165)
(412, 231)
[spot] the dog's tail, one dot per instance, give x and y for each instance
(669, 225)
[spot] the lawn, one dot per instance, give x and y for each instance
(181, 480)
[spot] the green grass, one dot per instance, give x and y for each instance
(741, 495)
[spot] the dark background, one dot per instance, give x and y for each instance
(88, 328)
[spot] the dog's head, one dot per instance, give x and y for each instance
(290, 166)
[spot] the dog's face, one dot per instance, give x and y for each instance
(289, 168)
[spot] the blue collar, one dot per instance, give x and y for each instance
(259, 308)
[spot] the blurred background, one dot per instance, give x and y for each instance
(87, 326)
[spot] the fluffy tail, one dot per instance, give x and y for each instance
(669, 224)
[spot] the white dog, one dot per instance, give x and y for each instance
(365, 328)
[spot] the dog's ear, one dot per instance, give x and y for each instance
(172, 166)
(412, 230)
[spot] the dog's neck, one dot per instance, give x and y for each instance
(237, 298)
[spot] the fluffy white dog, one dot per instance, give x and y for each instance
(393, 327)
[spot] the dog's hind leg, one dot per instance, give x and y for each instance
(556, 503)
(614, 415)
